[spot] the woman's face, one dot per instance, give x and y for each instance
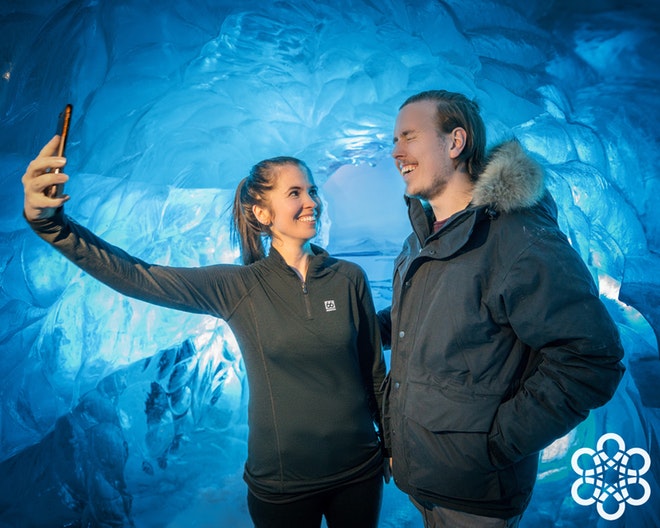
(293, 207)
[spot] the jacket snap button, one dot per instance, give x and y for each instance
(402, 334)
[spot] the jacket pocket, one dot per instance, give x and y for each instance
(446, 442)
(450, 408)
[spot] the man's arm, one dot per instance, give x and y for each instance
(558, 314)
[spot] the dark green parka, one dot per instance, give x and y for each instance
(500, 344)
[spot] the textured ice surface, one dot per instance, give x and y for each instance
(115, 412)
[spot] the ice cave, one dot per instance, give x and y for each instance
(173, 102)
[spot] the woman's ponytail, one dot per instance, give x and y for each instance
(246, 232)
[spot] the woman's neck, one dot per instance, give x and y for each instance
(296, 256)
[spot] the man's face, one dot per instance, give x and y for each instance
(420, 153)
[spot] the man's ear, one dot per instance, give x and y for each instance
(458, 141)
(261, 214)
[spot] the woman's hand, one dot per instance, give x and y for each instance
(39, 183)
(387, 470)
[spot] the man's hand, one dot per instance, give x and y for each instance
(39, 180)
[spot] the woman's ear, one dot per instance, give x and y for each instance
(458, 140)
(261, 214)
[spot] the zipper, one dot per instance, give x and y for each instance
(308, 307)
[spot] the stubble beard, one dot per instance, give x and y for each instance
(433, 191)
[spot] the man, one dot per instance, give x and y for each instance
(500, 344)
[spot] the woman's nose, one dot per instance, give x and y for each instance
(311, 201)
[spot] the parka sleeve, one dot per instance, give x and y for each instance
(206, 290)
(552, 304)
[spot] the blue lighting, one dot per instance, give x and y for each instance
(113, 411)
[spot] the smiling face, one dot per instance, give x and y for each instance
(423, 155)
(292, 207)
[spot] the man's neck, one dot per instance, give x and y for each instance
(455, 197)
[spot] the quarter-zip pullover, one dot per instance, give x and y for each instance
(311, 349)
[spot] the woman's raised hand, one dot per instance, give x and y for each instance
(40, 181)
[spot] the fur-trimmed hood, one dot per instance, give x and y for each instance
(511, 179)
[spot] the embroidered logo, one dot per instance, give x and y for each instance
(609, 479)
(330, 306)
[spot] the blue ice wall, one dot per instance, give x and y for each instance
(117, 413)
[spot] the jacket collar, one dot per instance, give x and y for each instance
(317, 264)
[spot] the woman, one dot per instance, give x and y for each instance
(306, 326)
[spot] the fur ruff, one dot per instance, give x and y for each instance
(511, 179)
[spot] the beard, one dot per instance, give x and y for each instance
(435, 189)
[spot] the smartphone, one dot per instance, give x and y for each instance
(63, 124)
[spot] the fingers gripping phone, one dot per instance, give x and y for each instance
(63, 124)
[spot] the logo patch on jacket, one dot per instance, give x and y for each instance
(330, 306)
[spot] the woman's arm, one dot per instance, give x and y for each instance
(370, 347)
(212, 290)
(385, 324)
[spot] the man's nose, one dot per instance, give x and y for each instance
(397, 150)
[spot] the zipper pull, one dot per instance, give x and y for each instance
(304, 287)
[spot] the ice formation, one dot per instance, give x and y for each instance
(117, 413)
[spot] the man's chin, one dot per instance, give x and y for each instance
(410, 193)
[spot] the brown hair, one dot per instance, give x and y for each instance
(246, 231)
(455, 110)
